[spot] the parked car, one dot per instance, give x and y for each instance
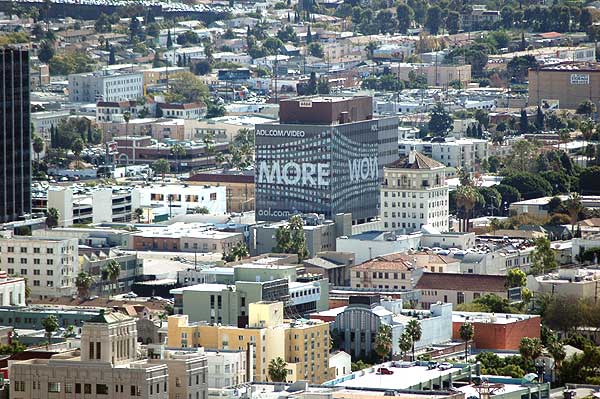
(445, 366)
(432, 365)
(130, 295)
(384, 371)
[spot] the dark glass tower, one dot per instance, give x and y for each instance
(15, 135)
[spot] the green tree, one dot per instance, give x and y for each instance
(71, 62)
(50, 325)
(587, 108)
(404, 343)
(277, 370)
(573, 206)
(103, 24)
(46, 51)
(405, 16)
(515, 278)
(38, 146)
(291, 239)
(52, 217)
(434, 20)
(453, 22)
(112, 270)
(440, 122)
(138, 213)
(529, 185)
(543, 257)
(414, 331)
(77, 147)
(530, 348)
(466, 199)
(83, 282)
(178, 151)
(186, 87)
(70, 332)
(386, 22)
(316, 50)
(383, 341)
(466, 333)
(161, 166)
(589, 181)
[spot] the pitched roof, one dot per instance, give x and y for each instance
(462, 282)
(109, 317)
(420, 162)
(396, 262)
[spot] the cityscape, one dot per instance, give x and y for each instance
(299, 199)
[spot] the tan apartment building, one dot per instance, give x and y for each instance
(303, 345)
(239, 188)
(437, 74)
(107, 366)
(569, 83)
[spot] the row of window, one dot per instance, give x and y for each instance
(36, 272)
(36, 250)
(24, 261)
(382, 275)
(101, 389)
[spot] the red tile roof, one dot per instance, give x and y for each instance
(462, 282)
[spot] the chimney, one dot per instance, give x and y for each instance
(411, 157)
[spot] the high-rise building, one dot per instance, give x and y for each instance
(15, 135)
(325, 155)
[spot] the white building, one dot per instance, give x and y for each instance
(227, 368)
(236, 58)
(106, 85)
(12, 290)
(176, 54)
(341, 362)
(414, 194)
(187, 111)
(371, 244)
(43, 121)
(178, 199)
(84, 205)
(455, 153)
(49, 264)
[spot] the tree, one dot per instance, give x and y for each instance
(523, 122)
(102, 24)
(543, 256)
(277, 370)
(386, 22)
(530, 348)
(589, 181)
(178, 151)
(112, 60)
(453, 22)
(70, 332)
(404, 343)
(186, 87)
(466, 334)
(77, 147)
(214, 110)
(38, 146)
(112, 270)
(71, 62)
(515, 278)
(434, 20)
(414, 331)
(556, 349)
(539, 119)
(466, 199)
(573, 206)
(529, 185)
(316, 50)
(586, 108)
(405, 16)
(161, 166)
(383, 341)
(169, 40)
(441, 121)
(323, 86)
(138, 213)
(52, 217)
(83, 282)
(291, 239)
(50, 325)
(518, 68)
(46, 52)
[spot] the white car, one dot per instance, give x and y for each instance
(445, 366)
(130, 295)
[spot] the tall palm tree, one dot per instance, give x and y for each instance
(178, 151)
(587, 128)
(209, 145)
(414, 331)
(383, 341)
(112, 270)
(404, 343)
(466, 199)
(530, 348)
(573, 206)
(38, 147)
(466, 334)
(277, 370)
(50, 325)
(83, 282)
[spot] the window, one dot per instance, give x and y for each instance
(19, 386)
(101, 389)
(54, 387)
(68, 387)
(36, 250)
(11, 249)
(50, 272)
(460, 298)
(132, 390)
(87, 389)
(77, 388)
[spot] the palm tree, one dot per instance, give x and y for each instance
(38, 146)
(466, 334)
(138, 212)
(50, 325)
(383, 341)
(414, 331)
(83, 282)
(52, 217)
(70, 331)
(557, 351)
(586, 127)
(466, 199)
(240, 251)
(530, 348)
(277, 370)
(573, 206)
(209, 145)
(77, 147)
(178, 151)
(112, 271)
(404, 343)
(127, 118)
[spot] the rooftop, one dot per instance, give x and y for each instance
(462, 282)
(490, 318)
(416, 160)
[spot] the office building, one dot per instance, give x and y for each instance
(49, 264)
(304, 345)
(12, 290)
(414, 193)
(228, 368)
(326, 155)
(105, 85)
(15, 135)
(466, 154)
(107, 365)
(458, 288)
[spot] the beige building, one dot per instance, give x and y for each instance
(575, 283)
(303, 345)
(107, 366)
(437, 74)
(458, 288)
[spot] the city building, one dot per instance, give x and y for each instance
(458, 288)
(228, 304)
(180, 199)
(320, 234)
(185, 237)
(335, 266)
(105, 85)
(371, 244)
(85, 205)
(437, 74)
(326, 155)
(358, 324)
(15, 135)
(182, 111)
(228, 368)
(414, 193)
(12, 290)
(108, 362)
(574, 283)
(31, 317)
(464, 153)
(95, 263)
(50, 265)
(303, 345)
(568, 84)
(239, 188)
(497, 331)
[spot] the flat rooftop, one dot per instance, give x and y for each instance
(491, 318)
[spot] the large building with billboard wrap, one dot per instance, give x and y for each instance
(325, 155)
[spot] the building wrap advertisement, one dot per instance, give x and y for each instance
(322, 169)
